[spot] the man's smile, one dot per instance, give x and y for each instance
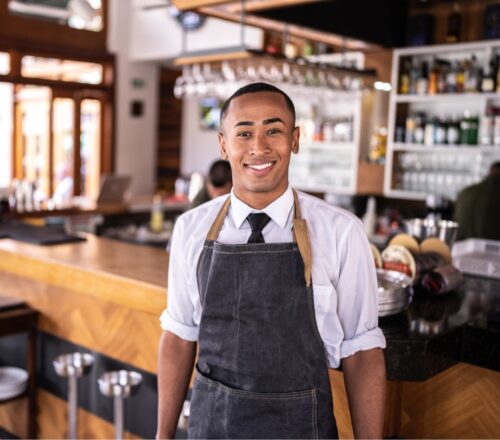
(260, 168)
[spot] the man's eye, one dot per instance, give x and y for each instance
(244, 134)
(274, 131)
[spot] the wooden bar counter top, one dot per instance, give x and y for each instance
(102, 294)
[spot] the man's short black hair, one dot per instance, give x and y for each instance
(254, 88)
(220, 173)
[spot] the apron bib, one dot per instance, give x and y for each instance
(262, 370)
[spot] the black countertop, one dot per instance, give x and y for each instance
(436, 332)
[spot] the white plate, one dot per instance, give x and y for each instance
(13, 381)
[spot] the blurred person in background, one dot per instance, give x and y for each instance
(477, 209)
(219, 182)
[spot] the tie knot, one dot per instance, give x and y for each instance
(258, 221)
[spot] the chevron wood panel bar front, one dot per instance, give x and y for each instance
(101, 296)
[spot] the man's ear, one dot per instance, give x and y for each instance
(222, 146)
(295, 140)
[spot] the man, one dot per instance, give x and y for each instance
(219, 182)
(477, 210)
(268, 322)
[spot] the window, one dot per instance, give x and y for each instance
(6, 118)
(61, 70)
(55, 130)
(4, 63)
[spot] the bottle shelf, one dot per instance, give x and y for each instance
(445, 148)
(442, 67)
(326, 145)
(445, 97)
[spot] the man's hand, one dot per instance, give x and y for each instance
(365, 382)
(175, 365)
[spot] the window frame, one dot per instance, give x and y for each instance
(77, 91)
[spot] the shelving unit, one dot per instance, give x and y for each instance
(414, 171)
(332, 166)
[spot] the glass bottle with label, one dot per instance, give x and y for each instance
(404, 80)
(414, 75)
(488, 81)
(433, 79)
(452, 132)
(423, 79)
(471, 73)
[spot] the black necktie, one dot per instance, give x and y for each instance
(257, 223)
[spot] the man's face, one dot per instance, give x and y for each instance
(258, 137)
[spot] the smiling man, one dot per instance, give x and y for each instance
(273, 287)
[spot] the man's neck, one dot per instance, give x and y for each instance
(258, 200)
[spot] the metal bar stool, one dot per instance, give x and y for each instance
(119, 385)
(73, 366)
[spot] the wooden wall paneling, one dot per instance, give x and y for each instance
(169, 132)
(13, 417)
(461, 402)
(472, 13)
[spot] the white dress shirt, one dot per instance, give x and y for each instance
(343, 272)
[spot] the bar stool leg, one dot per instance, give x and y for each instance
(119, 421)
(72, 408)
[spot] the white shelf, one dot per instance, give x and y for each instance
(445, 97)
(401, 194)
(442, 104)
(446, 148)
(325, 145)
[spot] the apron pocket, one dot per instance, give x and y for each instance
(219, 411)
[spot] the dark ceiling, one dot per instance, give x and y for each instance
(377, 21)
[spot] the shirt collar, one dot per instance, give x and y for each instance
(278, 210)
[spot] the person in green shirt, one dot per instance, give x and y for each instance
(477, 210)
(219, 182)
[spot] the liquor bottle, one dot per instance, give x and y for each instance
(454, 25)
(433, 79)
(419, 129)
(471, 77)
(460, 76)
(472, 135)
(404, 80)
(452, 132)
(410, 129)
(430, 132)
(498, 74)
(423, 79)
(488, 81)
(414, 75)
(464, 128)
(442, 75)
(440, 132)
(451, 80)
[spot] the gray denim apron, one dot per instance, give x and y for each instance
(262, 369)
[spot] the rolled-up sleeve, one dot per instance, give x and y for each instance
(178, 316)
(357, 294)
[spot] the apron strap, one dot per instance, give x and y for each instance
(301, 237)
(300, 234)
(219, 221)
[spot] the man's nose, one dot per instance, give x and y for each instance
(260, 146)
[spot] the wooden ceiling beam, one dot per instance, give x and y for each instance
(335, 40)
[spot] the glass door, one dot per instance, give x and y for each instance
(63, 134)
(32, 135)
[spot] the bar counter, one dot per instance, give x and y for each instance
(105, 297)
